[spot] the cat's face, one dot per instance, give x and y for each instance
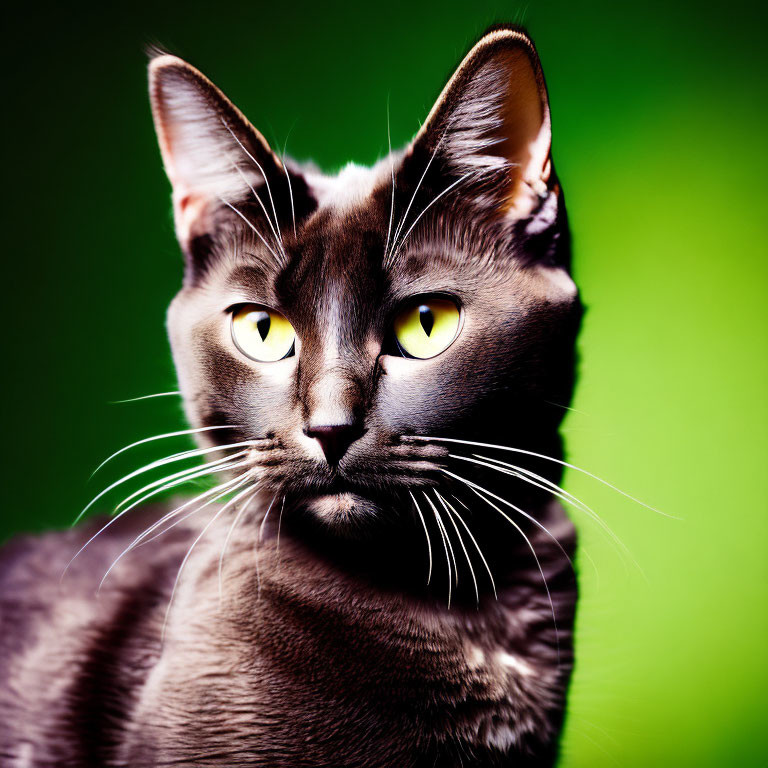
(331, 318)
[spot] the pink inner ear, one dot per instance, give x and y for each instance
(189, 212)
(526, 126)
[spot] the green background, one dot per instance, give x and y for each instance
(660, 123)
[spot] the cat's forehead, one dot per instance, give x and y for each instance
(364, 224)
(358, 244)
(351, 187)
(352, 241)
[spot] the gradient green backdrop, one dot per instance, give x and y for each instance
(660, 129)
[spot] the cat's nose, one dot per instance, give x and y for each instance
(334, 439)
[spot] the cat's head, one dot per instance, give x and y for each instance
(331, 318)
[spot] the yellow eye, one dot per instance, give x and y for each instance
(428, 328)
(262, 334)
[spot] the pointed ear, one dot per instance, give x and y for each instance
(210, 151)
(492, 122)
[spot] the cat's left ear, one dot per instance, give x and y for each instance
(491, 124)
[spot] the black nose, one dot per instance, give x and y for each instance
(334, 439)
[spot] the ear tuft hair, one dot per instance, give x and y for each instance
(154, 50)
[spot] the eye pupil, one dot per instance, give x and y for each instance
(263, 321)
(427, 319)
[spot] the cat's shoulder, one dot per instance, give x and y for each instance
(68, 645)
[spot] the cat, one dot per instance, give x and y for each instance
(374, 365)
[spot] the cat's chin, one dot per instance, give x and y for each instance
(343, 511)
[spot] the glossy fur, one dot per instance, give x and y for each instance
(323, 644)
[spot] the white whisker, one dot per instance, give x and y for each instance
(392, 171)
(440, 522)
(441, 531)
(545, 484)
(461, 542)
(290, 195)
(264, 176)
(266, 515)
(179, 478)
(413, 196)
(539, 481)
(143, 397)
(148, 468)
(142, 538)
(535, 557)
(258, 541)
(229, 536)
(458, 181)
(474, 486)
(164, 436)
(135, 504)
(288, 178)
(226, 506)
(546, 458)
(277, 236)
(279, 526)
(256, 231)
(426, 533)
(183, 472)
(226, 488)
(474, 541)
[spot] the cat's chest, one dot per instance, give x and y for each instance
(341, 676)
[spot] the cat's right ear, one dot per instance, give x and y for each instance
(213, 156)
(491, 125)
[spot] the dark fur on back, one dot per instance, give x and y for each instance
(304, 629)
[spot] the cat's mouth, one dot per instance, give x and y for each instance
(341, 502)
(371, 487)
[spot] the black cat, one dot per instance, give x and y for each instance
(381, 576)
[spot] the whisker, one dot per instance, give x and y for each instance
(290, 195)
(546, 458)
(176, 479)
(426, 533)
(278, 236)
(253, 228)
(128, 509)
(441, 531)
(288, 178)
(392, 171)
(461, 542)
(226, 506)
(561, 493)
(229, 536)
(538, 564)
(266, 515)
(447, 538)
(413, 196)
(431, 203)
(258, 541)
(228, 486)
(474, 541)
(279, 525)
(143, 397)
(183, 472)
(164, 436)
(532, 478)
(142, 537)
(474, 487)
(545, 485)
